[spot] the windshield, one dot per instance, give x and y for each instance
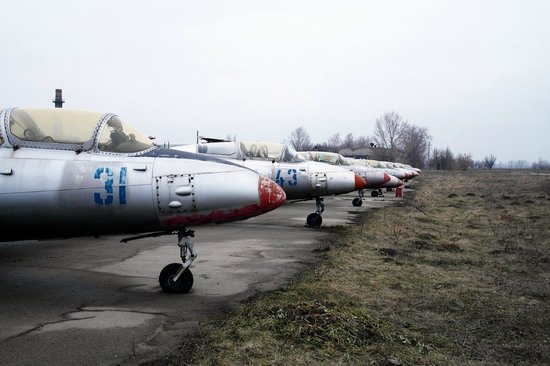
(119, 136)
(328, 157)
(53, 125)
(322, 157)
(259, 149)
(291, 155)
(252, 150)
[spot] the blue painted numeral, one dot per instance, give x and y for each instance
(279, 180)
(122, 186)
(292, 179)
(294, 175)
(108, 187)
(108, 200)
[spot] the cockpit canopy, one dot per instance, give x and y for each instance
(118, 136)
(258, 150)
(65, 129)
(325, 157)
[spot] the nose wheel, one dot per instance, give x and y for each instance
(172, 281)
(314, 219)
(358, 201)
(177, 277)
(377, 193)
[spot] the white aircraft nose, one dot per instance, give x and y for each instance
(375, 178)
(394, 182)
(228, 194)
(338, 182)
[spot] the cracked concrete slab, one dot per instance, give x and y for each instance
(96, 301)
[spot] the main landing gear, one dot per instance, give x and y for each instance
(175, 277)
(314, 219)
(377, 193)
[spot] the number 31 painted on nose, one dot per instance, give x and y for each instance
(109, 186)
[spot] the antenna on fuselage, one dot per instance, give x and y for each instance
(58, 101)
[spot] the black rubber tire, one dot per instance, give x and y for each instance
(182, 286)
(314, 220)
(357, 202)
(374, 193)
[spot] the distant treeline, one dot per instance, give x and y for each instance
(398, 140)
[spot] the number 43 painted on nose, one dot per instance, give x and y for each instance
(292, 178)
(109, 186)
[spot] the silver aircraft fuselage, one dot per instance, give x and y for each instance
(375, 178)
(308, 179)
(66, 173)
(299, 178)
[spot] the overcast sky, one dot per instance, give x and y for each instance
(476, 73)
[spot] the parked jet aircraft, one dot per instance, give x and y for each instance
(66, 173)
(393, 169)
(376, 178)
(300, 179)
(414, 171)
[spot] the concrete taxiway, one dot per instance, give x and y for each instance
(96, 301)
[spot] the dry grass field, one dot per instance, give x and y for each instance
(458, 273)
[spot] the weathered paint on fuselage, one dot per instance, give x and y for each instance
(307, 179)
(50, 193)
(375, 178)
(92, 195)
(299, 180)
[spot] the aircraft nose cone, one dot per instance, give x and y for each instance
(271, 195)
(399, 183)
(387, 177)
(360, 183)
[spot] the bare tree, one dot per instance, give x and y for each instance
(489, 161)
(521, 164)
(464, 161)
(389, 132)
(349, 141)
(415, 145)
(435, 160)
(513, 164)
(448, 159)
(362, 141)
(299, 138)
(442, 159)
(334, 143)
(540, 165)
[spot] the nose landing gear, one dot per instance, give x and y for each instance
(314, 219)
(176, 277)
(358, 201)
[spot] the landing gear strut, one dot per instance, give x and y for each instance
(357, 202)
(314, 219)
(176, 277)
